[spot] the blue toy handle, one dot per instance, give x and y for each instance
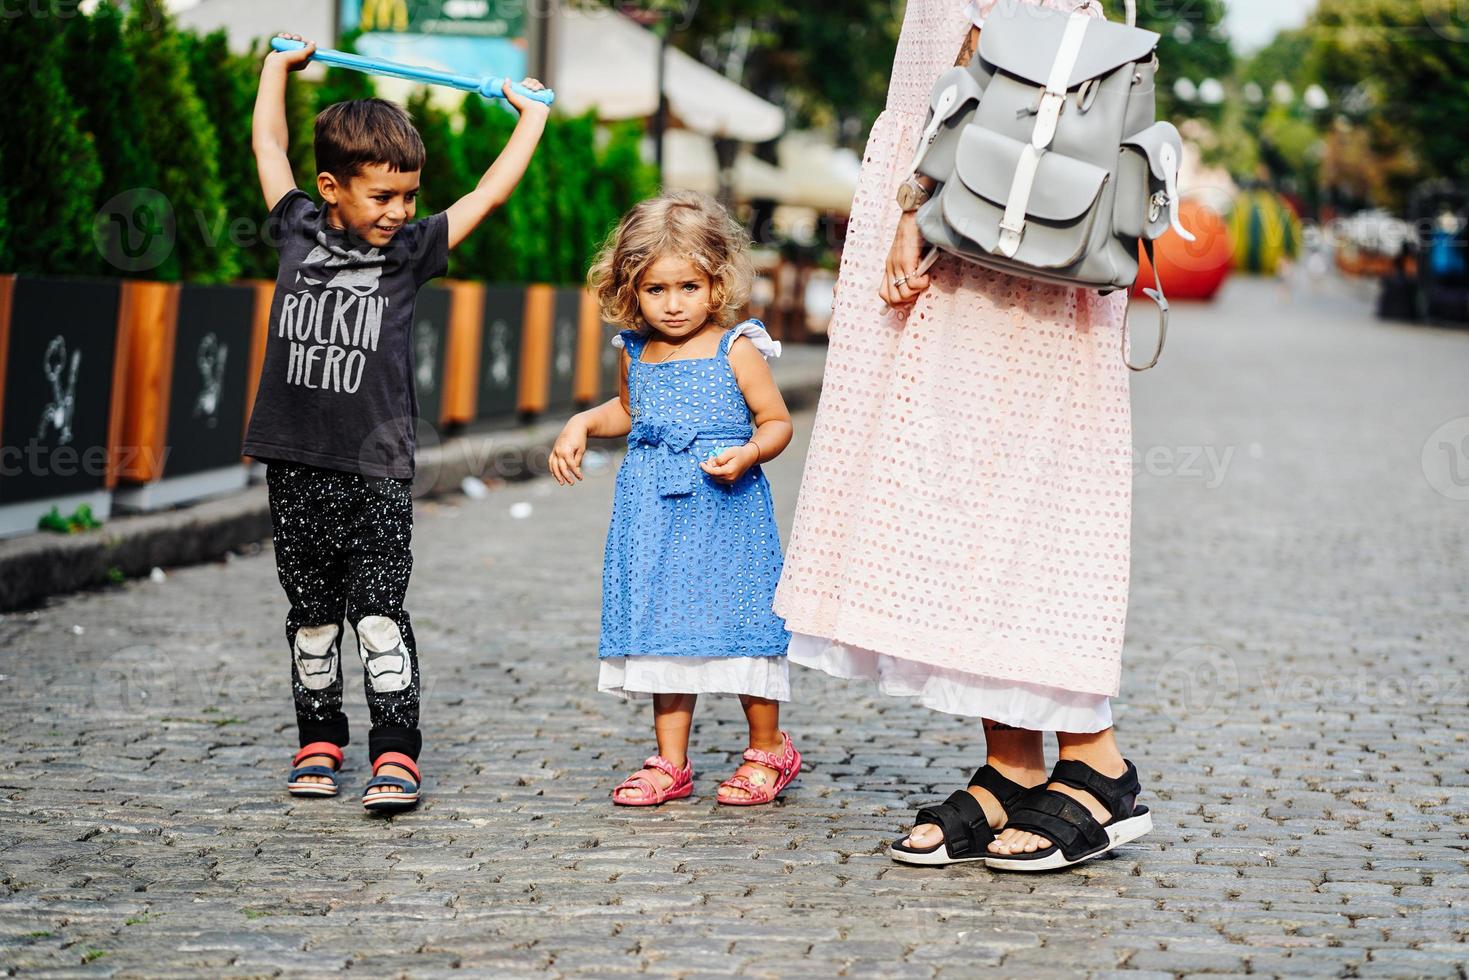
(489, 86)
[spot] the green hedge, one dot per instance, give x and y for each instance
(121, 101)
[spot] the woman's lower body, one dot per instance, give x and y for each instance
(963, 528)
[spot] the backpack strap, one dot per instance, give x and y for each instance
(1154, 293)
(1047, 113)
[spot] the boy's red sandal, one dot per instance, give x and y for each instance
(299, 786)
(399, 794)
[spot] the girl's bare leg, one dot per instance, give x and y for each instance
(673, 715)
(763, 717)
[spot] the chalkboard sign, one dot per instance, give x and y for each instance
(499, 373)
(57, 388)
(430, 345)
(206, 406)
(565, 318)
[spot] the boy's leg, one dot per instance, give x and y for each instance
(381, 561)
(306, 510)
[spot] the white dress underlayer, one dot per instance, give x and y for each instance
(1015, 703)
(643, 677)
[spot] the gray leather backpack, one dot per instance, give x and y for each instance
(1050, 161)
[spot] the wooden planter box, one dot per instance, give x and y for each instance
(190, 371)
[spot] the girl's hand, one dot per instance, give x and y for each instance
(731, 464)
(520, 102)
(902, 260)
(293, 60)
(567, 453)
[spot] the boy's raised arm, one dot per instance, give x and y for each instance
(268, 133)
(495, 186)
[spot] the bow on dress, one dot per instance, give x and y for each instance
(676, 467)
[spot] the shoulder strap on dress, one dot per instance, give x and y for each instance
(758, 335)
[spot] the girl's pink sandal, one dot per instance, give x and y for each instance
(787, 764)
(652, 794)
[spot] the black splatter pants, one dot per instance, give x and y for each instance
(342, 549)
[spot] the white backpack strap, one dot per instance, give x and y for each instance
(947, 98)
(1048, 113)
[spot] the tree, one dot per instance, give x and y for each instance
(1407, 63)
(827, 63)
(344, 84)
(181, 139)
(623, 178)
(443, 180)
(569, 163)
(4, 227)
(1192, 44)
(226, 85)
(102, 78)
(49, 173)
(489, 252)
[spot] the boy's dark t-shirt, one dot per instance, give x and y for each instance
(336, 389)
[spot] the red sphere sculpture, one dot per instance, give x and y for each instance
(1190, 270)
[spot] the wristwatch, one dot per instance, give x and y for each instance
(911, 194)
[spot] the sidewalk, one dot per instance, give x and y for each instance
(1294, 698)
(39, 565)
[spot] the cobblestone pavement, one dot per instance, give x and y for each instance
(1294, 698)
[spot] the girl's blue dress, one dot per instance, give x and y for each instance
(691, 564)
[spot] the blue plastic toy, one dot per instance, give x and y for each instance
(490, 86)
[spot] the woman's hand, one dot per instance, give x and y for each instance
(567, 453)
(731, 464)
(899, 285)
(293, 60)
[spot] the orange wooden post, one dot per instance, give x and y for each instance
(152, 309)
(264, 296)
(535, 348)
(461, 368)
(121, 365)
(587, 384)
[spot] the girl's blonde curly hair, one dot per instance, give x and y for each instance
(682, 224)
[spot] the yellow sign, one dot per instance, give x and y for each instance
(384, 15)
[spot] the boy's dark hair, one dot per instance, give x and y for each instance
(351, 135)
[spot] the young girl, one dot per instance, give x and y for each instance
(693, 553)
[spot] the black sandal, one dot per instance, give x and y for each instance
(967, 831)
(1074, 833)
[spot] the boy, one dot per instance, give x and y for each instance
(334, 415)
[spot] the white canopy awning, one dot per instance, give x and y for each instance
(604, 61)
(817, 174)
(812, 172)
(690, 163)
